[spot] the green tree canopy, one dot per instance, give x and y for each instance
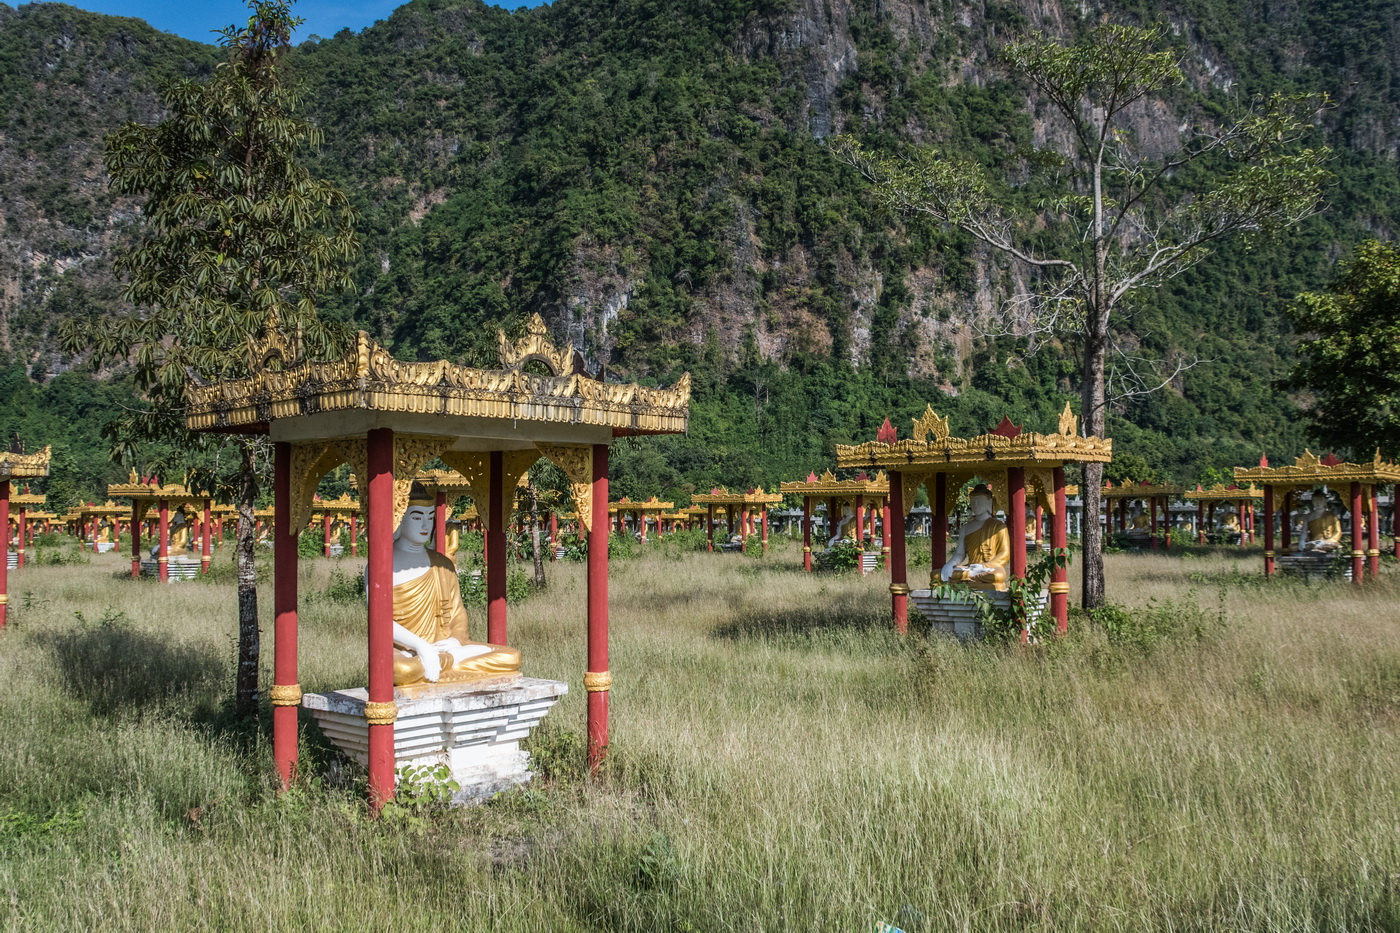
(1349, 357)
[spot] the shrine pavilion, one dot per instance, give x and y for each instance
(15, 466)
(641, 512)
(146, 494)
(388, 419)
(1155, 495)
(333, 513)
(1209, 499)
(866, 497)
(24, 504)
(1361, 480)
(1008, 458)
(749, 508)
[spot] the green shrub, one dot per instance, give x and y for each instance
(842, 556)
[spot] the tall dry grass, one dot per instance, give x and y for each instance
(780, 761)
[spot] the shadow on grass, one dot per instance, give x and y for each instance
(115, 668)
(824, 617)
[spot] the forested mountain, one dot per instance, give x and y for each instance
(654, 178)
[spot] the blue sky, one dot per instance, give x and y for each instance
(196, 19)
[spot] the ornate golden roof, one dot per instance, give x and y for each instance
(828, 486)
(24, 466)
(26, 499)
(342, 506)
(136, 488)
(1131, 490)
(650, 505)
(108, 509)
(369, 380)
(1309, 471)
(723, 497)
(933, 450)
(1222, 493)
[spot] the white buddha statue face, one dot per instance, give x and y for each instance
(416, 526)
(1319, 503)
(980, 505)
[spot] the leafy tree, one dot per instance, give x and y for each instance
(1350, 353)
(1115, 219)
(237, 237)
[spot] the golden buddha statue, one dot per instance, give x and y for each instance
(179, 534)
(1230, 523)
(104, 533)
(1139, 518)
(984, 547)
(430, 621)
(1323, 529)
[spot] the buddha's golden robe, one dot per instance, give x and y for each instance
(989, 545)
(1141, 523)
(1324, 533)
(180, 539)
(104, 534)
(430, 606)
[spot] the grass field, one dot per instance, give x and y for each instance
(1224, 756)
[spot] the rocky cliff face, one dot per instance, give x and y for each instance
(569, 160)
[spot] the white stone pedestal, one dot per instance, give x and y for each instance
(473, 728)
(1313, 566)
(104, 546)
(962, 620)
(179, 568)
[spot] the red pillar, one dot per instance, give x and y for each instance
(894, 540)
(744, 530)
(597, 679)
(1059, 547)
(163, 554)
(1016, 518)
(286, 690)
(206, 541)
(1268, 530)
(553, 534)
(710, 527)
(1039, 523)
(354, 535)
(1373, 534)
(1286, 530)
(1358, 562)
(807, 533)
(939, 532)
(885, 547)
(219, 534)
(763, 522)
(1210, 520)
(440, 522)
(135, 542)
(496, 552)
(1152, 511)
(380, 711)
(5, 556)
(1200, 522)
(859, 523)
(23, 529)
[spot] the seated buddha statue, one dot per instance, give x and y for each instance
(178, 536)
(1322, 528)
(104, 533)
(984, 547)
(430, 622)
(848, 515)
(1139, 519)
(1230, 523)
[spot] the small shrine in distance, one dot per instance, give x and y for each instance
(1142, 530)
(433, 695)
(744, 513)
(334, 515)
(988, 551)
(23, 505)
(851, 507)
(641, 512)
(174, 529)
(1236, 525)
(1321, 539)
(15, 466)
(100, 526)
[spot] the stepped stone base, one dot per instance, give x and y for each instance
(474, 728)
(1314, 567)
(869, 561)
(962, 620)
(560, 552)
(12, 560)
(181, 568)
(104, 546)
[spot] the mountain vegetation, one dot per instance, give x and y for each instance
(657, 180)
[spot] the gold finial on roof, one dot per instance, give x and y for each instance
(928, 424)
(1069, 422)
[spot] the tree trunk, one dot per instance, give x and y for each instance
(1093, 408)
(535, 534)
(246, 678)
